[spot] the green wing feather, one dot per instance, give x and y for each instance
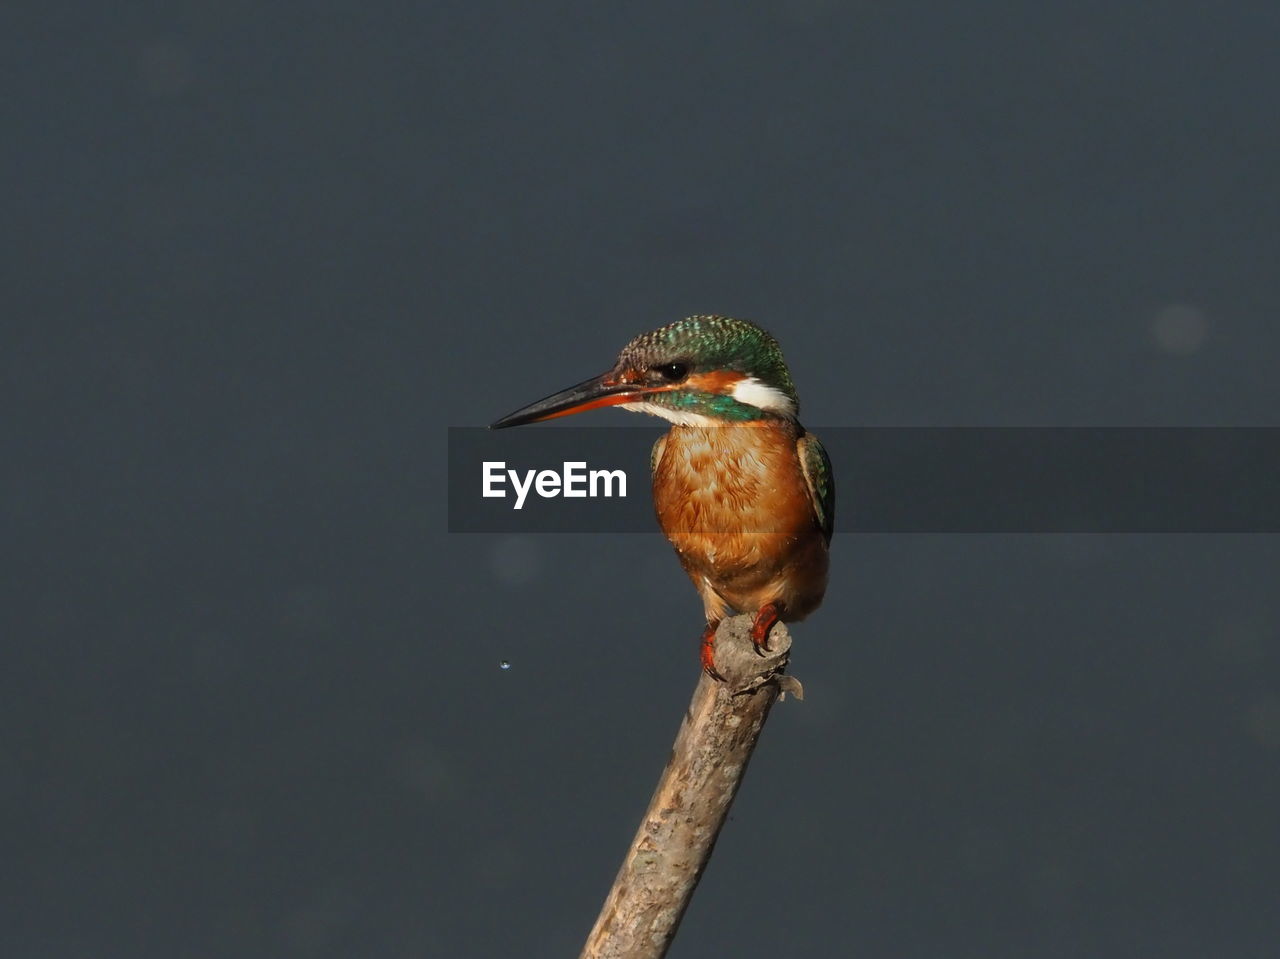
(822, 485)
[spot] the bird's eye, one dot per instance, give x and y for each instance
(671, 372)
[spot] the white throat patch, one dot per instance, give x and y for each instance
(679, 417)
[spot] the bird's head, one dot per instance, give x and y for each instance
(699, 371)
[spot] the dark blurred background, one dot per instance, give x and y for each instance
(257, 258)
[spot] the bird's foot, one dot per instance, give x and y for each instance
(765, 619)
(708, 652)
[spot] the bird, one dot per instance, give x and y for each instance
(743, 492)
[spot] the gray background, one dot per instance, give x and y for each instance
(258, 257)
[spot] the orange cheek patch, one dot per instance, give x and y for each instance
(719, 381)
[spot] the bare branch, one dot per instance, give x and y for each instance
(670, 850)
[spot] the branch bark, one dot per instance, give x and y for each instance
(674, 842)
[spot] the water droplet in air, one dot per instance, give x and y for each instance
(504, 665)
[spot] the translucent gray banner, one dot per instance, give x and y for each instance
(897, 480)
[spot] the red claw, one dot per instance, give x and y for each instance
(768, 615)
(709, 651)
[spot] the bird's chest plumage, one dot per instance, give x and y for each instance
(734, 502)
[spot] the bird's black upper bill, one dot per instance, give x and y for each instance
(587, 395)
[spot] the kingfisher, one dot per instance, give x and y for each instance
(742, 491)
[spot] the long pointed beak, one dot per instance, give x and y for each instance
(588, 395)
